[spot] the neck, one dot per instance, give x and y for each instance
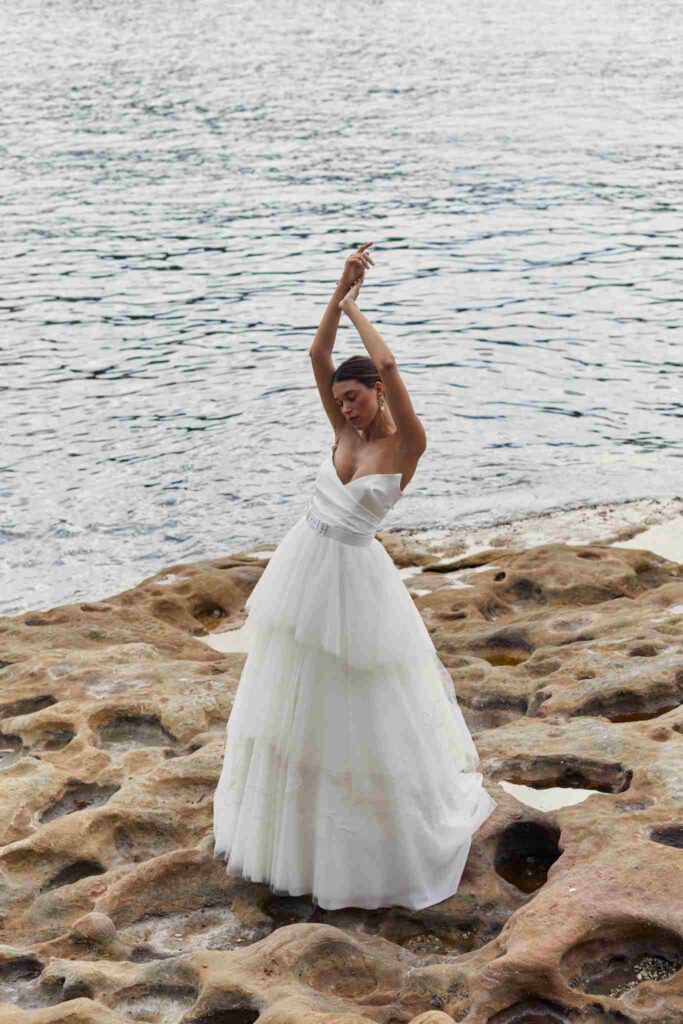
(381, 426)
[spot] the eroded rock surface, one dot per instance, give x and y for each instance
(568, 665)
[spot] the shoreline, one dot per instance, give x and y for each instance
(600, 523)
(615, 523)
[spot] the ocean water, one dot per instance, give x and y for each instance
(181, 183)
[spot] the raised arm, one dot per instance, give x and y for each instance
(323, 343)
(412, 434)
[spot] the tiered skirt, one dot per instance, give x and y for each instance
(349, 772)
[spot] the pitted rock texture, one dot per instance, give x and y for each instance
(568, 665)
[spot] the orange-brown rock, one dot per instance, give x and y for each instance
(568, 664)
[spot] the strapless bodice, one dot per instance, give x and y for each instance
(356, 508)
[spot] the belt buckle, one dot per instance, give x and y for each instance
(318, 525)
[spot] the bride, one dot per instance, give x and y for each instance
(349, 772)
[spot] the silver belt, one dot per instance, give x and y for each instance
(337, 532)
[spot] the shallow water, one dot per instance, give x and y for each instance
(181, 185)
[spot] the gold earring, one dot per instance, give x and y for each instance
(381, 401)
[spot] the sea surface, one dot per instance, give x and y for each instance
(181, 183)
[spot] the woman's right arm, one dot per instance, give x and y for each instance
(323, 343)
(321, 357)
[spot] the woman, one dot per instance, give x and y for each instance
(349, 772)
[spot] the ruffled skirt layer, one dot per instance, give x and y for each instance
(349, 772)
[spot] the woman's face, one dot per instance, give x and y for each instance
(357, 403)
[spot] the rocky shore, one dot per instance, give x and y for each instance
(564, 637)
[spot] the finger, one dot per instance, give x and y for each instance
(362, 257)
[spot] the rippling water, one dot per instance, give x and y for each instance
(181, 185)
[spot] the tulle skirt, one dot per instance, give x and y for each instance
(349, 772)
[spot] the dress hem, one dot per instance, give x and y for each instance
(419, 904)
(485, 807)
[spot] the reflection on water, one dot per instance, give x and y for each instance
(181, 187)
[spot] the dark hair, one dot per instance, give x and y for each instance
(360, 368)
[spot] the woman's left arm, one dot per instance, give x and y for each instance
(378, 350)
(412, 433)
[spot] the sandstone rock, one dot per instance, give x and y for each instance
(433, 1017)
(568, 665)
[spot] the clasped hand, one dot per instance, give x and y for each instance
(354, 274)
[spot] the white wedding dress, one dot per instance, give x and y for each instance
(349, 772)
